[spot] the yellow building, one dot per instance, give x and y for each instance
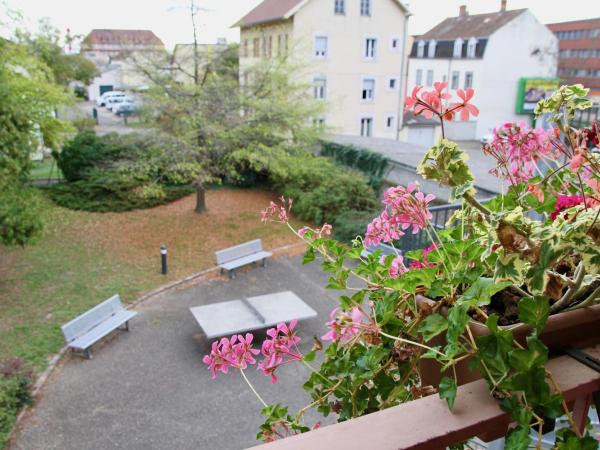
(353, 53)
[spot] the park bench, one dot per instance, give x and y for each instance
(87, 329)
(252, 313)
(385, 250)
(240, 255)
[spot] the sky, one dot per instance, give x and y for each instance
(170, 21)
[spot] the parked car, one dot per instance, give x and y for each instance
(126, 107)
(112, 102)
(486, 139)
(103, 99)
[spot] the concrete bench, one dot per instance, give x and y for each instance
(252, 313)
(240, 255)
(87, 329)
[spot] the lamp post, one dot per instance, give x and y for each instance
(163, 259)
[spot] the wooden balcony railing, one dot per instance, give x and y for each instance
(428, 424)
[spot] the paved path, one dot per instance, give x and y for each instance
(148, 389)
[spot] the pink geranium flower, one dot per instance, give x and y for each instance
(235, 352)
(344, 326)
(279, 348)
(465, 108)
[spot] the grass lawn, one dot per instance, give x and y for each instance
(84, 258)
(42, 170)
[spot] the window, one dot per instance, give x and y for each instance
(245, 48)
(321, 46)
(468, 80)
(264, 46)
(365, 7)
(368, 89)
(285, 46)
(430, 78)
(390, 121)
(279, 44)
(340, 7)
(366, 126)
(395, 43)
(471, 47)
(270, 47)
(319, 87)
(419, 77)
(318, 122)
(458, 45)
(455, 80)
(431, 49)
(393, 83)
(255, 48)
(370, 48)
(420, 49)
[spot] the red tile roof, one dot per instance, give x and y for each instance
(477, 25)
(122, 37)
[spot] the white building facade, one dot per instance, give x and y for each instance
(352, 52)
(490, 53)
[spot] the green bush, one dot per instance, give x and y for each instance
(352, 223)
(123, 172)
(15, 381)
(20, 219)
(320, 188)
(88, 196)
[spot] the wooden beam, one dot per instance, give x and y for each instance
(428, 424)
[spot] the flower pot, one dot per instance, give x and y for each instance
(578, 328)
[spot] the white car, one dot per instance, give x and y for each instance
(486, 139)
(103, 99)
(113, 102)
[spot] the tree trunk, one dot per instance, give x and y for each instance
(200, 199)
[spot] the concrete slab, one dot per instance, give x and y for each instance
(253, 313)
(148, 389)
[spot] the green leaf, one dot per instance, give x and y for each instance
(568, 440)
(457, 322)
(536, 354)
(433, 325)
(481, 292)
(534, 311)
(309, 256)
(518, 438)
(310, 356)
(447, 390)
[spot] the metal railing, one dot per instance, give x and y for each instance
(440, 214)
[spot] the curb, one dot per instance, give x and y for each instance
(41, 381)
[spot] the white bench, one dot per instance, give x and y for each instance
(252, 313)
(87, 329)
(240, 255)
(385, 250)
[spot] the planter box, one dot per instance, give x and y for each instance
(578, 328)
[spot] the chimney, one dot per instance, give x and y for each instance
(462, 12)
(502, 5)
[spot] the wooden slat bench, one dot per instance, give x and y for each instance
(240, 255)
(87, 329)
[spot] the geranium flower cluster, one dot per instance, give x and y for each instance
(344, 326)
(436, 103)
(280, 347)
(235, 352)
(277, 213)
(416, 264)
(405, 207)
(517, 148)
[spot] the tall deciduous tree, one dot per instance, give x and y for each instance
(200, 99)
(28, 100)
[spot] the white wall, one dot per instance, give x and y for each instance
(508, 57)
(345, 67)
(111, 77)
